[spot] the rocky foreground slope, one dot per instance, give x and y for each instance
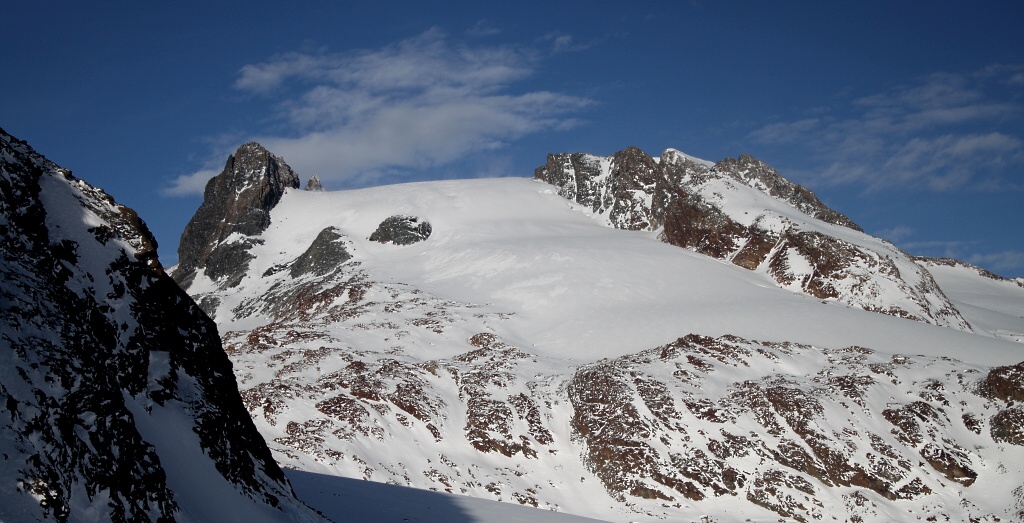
(118, 401)
(510, 347)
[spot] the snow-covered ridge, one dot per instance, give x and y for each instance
(743, 211)
(677, 156)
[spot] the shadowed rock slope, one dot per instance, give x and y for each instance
(119, 403)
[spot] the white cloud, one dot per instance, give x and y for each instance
(418, 103)
(564, 43)
(944, 163)
(895, 234)
(947, 132)
(189, 184)
(938, 248)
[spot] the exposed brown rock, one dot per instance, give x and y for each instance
(1008, 426)
(1004, 383)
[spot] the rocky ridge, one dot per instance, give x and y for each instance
(993, 304)
(117, 394)
(951, 262)
(743, 211)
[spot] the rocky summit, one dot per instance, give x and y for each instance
(744, 212)
(236, 201)
(550, 344)
(119, 402)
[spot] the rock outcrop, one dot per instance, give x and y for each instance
(327, 252)
(401, 230)
(743, 211)
(791, 422)
(236, 205)
(117, 395)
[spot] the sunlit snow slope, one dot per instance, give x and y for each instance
(992, 304)
(576, 289)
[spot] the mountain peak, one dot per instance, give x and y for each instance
(526, 339)
(238, 200)
(743, 211)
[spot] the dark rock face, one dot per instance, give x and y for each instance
(634, 175)
(101, 349)
(688, 200)
(401, 230)
(620, 188)
(328, 251)
(692, 223)
(228, 262)
(238, 200)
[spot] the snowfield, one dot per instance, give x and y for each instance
(577, 290)
(994, 306)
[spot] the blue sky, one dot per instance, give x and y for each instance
(906, 116)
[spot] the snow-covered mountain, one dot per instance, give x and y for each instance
(119, 402)
(548, 343)
(743, 211)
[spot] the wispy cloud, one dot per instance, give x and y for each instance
(895, 234)
(946, 132)
(189, 184)
(564, 43)
(483, 28)
(418, 103)
(1009, 261)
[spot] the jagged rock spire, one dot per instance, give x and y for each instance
(314, 184)
(238, 200)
